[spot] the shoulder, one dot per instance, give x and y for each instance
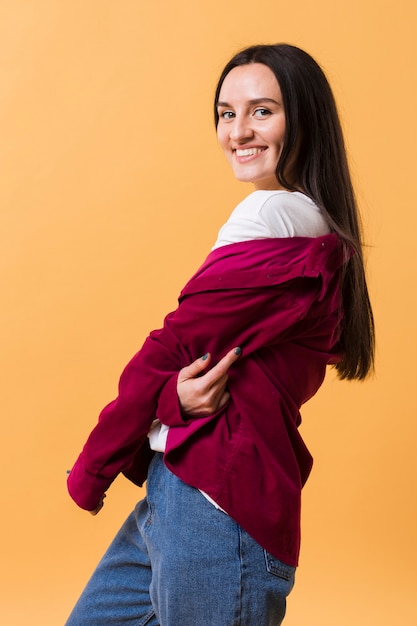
(284, 200)
(291, 214)
(258, 200)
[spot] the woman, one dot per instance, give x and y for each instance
(216, 540)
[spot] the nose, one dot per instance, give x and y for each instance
(241, 130)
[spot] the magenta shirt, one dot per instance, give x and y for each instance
(279, 299)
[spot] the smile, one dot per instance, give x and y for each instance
(248, 151)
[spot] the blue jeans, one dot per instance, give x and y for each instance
(179, 561)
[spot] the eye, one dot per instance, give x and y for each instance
(262, 112)
(226, 115)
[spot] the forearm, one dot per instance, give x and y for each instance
(123, 425)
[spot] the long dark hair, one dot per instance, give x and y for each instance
(314, 135)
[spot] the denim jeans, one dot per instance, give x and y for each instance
(179, 561)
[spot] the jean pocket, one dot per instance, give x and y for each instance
(278, 568)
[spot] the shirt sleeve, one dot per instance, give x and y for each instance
(123, 425)
(266, 214)
(291, 216)
(257, 310)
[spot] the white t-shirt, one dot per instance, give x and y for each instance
(261, 215)
(265, 214)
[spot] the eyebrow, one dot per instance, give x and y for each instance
(252, 102)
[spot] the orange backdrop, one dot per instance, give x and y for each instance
(112, 189)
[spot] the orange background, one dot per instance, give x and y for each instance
(112, 189)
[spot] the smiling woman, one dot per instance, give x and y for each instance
(220, 447)
(251, 127)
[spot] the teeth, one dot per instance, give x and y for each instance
(248, 152)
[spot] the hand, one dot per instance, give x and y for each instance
(202, 395)
(99, 506)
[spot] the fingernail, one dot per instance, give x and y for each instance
(205, 357)
(238, 351)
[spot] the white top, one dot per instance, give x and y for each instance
(265, 214)
(261, 215)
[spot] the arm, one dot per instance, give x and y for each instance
(123, 425)
(198, 394)
(252, 307)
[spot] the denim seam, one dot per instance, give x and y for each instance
(277, 568)
(146, 619)
(239, 619)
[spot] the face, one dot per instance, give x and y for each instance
(251, 124)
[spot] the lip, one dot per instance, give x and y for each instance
(244, 154)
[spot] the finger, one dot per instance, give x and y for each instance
(195, 368)
(99, 506)
(96, 511)
(220, 369)
(218, 399)
(223, 400)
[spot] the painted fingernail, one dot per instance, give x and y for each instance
(205, 357)
(238, 351)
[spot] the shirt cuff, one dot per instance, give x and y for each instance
(84, 488)
(169, 408)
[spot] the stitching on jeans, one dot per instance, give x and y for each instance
(277, 568)
(147, 617)
(238, 623)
